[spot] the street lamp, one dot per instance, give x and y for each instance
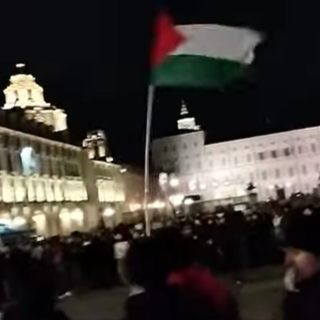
(188, 201)
(176, 199)
(109, 159)
(109, 212)
(174, 182)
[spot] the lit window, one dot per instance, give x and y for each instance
(291, 171)
(277, 173)
(261, 155)
(274, 154)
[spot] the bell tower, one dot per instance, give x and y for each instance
(23, 92)
(186, 122)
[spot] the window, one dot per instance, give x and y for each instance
(264, 175)
(235, 160)
(173, 148)
(286, 152)
(165, 149)
(291, 172)
(300, 149)
(249, 157)
(5, 140)
(317, 167)
(260, 155)
(195, 144)
(19, 163)
(277, 173)
(313, 147)
(304, 169)
(251, 177)
(11, 166)
(274, 154)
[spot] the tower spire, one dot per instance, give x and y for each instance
(20, 65)
(184, 110)
(186, 122)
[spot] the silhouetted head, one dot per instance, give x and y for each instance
(151, 260)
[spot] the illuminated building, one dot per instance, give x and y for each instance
(186, 122)
(23, 92)
(96, 143)
(287, 160)
(46, 183)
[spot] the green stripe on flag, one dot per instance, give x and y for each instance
(197, 72)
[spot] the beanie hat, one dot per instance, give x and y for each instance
(303, 232)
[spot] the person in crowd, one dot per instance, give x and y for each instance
(36, 295)
(302, 279)
(236, 243)
(168, 284)
(75, 263)
(122, 238)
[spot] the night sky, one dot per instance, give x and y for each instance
(92, 60)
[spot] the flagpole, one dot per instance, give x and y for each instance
(151, 91)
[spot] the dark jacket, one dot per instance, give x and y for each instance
(305, 303)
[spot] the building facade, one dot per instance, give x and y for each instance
(23, 92)
(46, 183)
(287, 160)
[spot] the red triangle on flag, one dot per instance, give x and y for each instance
(167, 38)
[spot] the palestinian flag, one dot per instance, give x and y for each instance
(201, 55)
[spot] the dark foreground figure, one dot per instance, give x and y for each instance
(302, 279)
(33, 297)
(170, 285)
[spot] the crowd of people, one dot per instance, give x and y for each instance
(170, 273)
